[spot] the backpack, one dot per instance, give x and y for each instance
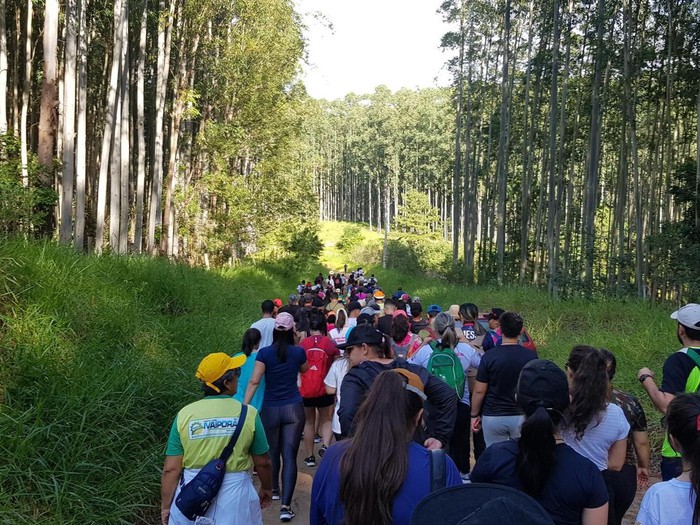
(312, 384)
(445, 364)
(401, 352)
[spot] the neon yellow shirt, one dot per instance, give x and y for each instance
(202, 429)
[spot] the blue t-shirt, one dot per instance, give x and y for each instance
(327, 509)
(246, 372)
(574, 484)
(281, 378)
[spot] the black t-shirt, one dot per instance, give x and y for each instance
(574, 484)
(677, 369)
(500, 369)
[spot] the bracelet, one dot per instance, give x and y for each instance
(644, 377)
(472, 415)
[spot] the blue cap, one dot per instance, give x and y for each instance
(434, 309)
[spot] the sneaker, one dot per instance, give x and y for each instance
(466, 477)
(322, 450)
(310, 461)
(275, 494)
(286, 514)
(317, 439)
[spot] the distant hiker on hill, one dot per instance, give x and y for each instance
(681, 373)
(193, 442)
(266, 324)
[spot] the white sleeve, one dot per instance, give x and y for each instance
(422, 356)
(331, 379)
(649, 509)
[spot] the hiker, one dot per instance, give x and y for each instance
(454, 313)
(333, 380)
(371, 354)
(450, 359)
(266, 324)
(384, 323)
(249, 348)
(681, 373)
(493, 403)
(404, 344)
(595, 428)
(321, 351)
(677, 501)
(635, 471)
(385, 478)
(334, 303)
(418, 322)
(353, 310)
(283, 409)
(471, 328)
(192, 444)
(569, 486)
(341, 327)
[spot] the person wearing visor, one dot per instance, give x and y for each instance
(370, 355)
(200, 433)
(379, 472)
(681, 373)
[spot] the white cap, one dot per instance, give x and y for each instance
(688, 316)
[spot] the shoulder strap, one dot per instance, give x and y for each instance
(232, 442)
(438, 470)
(693, 354)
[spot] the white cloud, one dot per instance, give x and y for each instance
(372, 42)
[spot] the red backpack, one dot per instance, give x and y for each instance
(312, 384)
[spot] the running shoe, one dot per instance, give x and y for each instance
(275, 494)
(286, 514)
(466, 477)
(322, 450)
(317, 439)
(310, 461)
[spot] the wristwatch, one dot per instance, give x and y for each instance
(644, 377)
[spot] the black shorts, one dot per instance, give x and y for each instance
(319, 402)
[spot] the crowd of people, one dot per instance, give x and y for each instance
(396, 402)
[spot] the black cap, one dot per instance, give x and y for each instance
(354, 305)
(495, 314)
(363, 333)
(542, 383)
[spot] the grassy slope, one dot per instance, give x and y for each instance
(98, 354)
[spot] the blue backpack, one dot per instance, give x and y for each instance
(196, 497)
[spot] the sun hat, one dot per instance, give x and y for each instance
(361, 334)
(688, 316)
(479, 504)
(215, 365)
(284, 321)
(542, 383)
(434, 309)
(378, 294)
(413, 382)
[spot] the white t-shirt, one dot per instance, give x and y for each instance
(467, 355)
(601, 434)
(334, 379)
(339, 335)
(266, 325)
(352, 321)
(667, 503)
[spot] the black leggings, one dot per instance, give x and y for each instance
(622, 487)
(459, 443)
(283, 428)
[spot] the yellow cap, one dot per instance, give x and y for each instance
(413, 382)
(213, 366)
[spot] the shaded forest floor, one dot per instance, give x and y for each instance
(98, 354)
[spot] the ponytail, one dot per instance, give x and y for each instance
(251, 339)
(536, 459)
(590, 391)
(448, 338)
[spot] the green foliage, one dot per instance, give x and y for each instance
(22, 209)
(352, 236)
(417, 217)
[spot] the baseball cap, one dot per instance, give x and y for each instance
(213, 366)
(397, 313)
(284, 321)
(292, 298)
(365, 319)
(361, 334)
(413, 382)
(495, 314)
(688, 316)
(369, 311)
(479, 504)
(277, 302)
(406, 298)
(542, 383)
(434, 309)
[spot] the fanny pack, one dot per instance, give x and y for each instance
(197, 496)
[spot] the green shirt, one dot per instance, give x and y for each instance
(202, 429)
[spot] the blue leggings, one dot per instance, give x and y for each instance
(283, 428)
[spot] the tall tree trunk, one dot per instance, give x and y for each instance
(26, 90)
(110, 121)
(81, 136)
(502, 153)
(458, 135)
(69, 98)
(140, 130)
(552, 233)
(124, 136)
(163, 67)
(49, 94)
(3, 69)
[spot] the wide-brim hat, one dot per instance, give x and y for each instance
(479, 504)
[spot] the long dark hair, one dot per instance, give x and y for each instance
(317, 322)
(341, 319)
(399, 328)
(590, 390)
(375, 464)
(683, 419)
(470, 313)
(281, 340)
(251, 339)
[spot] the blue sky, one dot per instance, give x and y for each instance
(372, 42)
